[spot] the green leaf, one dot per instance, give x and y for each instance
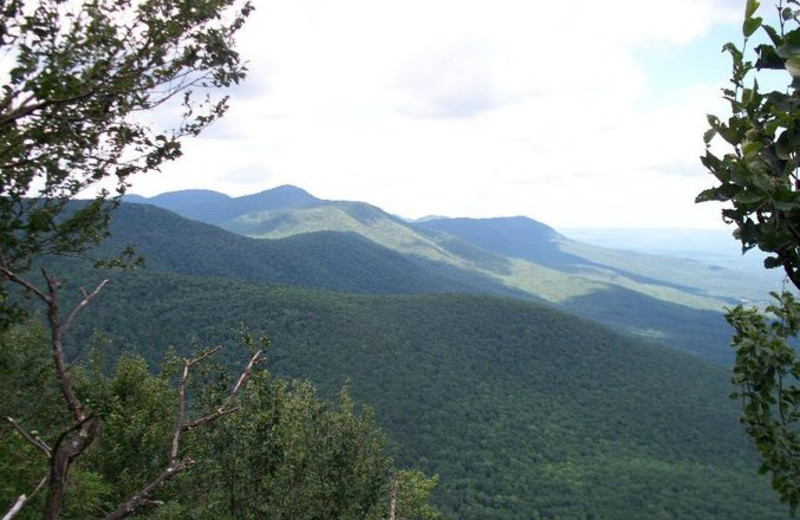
(785, 205)
(768, 58)
(787, 144)
(791, 45)
(748, 197)
(773, 34)
(713, 194)
(751, 25)
(750, 8)
(752, 148)
(709, 135)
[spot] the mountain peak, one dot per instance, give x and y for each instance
(214, 208)
(182, 199)
(507, 226)
(289, 189)
(282, 197)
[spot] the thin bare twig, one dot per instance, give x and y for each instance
(23, 499)
(174, 466)
(87, 298)
(37, 443)
(203, 355)
(24, 283)
(225, 408)
(191, 425)
(142, 497)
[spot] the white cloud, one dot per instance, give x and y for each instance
(470, 108)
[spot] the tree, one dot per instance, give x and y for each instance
(98, 91)
(292, 455)
(409, 496)
(77, 118)
(758, 180)
(148, 454)
(77, 108)
(286, 453)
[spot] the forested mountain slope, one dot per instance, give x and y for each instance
(521, 237)
(480, 244)
(525, 412)
(675, 302)
(339, 261)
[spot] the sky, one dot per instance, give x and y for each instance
(576, 114)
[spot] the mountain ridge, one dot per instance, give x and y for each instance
(513, 255)
(521, 409)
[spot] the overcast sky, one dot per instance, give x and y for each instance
(580, 113)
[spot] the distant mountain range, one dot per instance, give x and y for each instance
(455, 331)
(708, 246)
(674, 301)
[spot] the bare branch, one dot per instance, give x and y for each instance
(39, 444)
(203, 355)
(225, 408)
(191, 425)
(56, 335)
(24, 283)
(81, 305)
(245, 373)
(23, 499)
(181, 415)
(176, 434)
(394, 484)
(70, 445)
(142, 497)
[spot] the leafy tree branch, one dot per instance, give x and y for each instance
(759, 182)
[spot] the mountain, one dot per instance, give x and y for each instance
(520, 237)
(338, 261)
(523, 411)
(674, 301)
(216, 208)
(708, 246)
(516, 237)
(187, 200)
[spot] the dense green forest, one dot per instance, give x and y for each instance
(352, 262)
(286, 357)
(281, 453)
(523, 411)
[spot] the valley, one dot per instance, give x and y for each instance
(522, 409)
(511, 256)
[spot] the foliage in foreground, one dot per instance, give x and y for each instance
(96, 91)
(285, 453)
(758, 180)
